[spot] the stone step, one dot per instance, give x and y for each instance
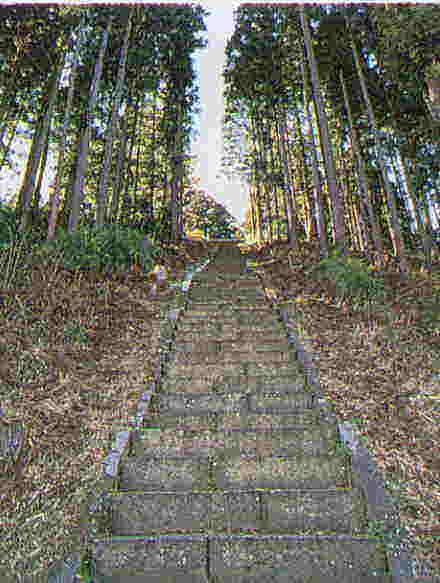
(202, 291)
(205, 294)
(198, 438)
(233, 315)
(274, 367)
(234, 383)
(211, 280)
(263, 511)
(224, 310)
(232, 299)
(280, 353)
(229, 346)
(225, 334)
(228, 331)
(208, 307)
(223, 472)
(182, 402)
(238, 420)
(241, 559)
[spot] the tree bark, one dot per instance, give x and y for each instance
(117, 184)
(108, 150)
(38, 143)
(362, 176)
(395, 231)
(82, 164)
(55, 198)
(317, 189)
(334, 193)
(287, 191)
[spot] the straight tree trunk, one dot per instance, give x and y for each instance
(55, 198)
(129, 181)
(317, 189)
(41, 136)
(40, 175)
(81, 170)
(395, 230)
(426, 233)
(7, 147)
(334, 193)
(362, 175)
(117, 184)
(287, 191)
(309, 215)
(108, 149)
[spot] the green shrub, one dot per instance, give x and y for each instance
(14, 247)
(100, 248)
(350, 276)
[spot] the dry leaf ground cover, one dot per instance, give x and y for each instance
(379, 365)
(76, 349)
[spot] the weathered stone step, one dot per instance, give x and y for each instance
(279, 352)
(234, 383)
(255, 309)
(224, 284)
(206, 291)
(236, 317)
(274, 367)
(199, 438)
(240, 419)
(184, 402)
(205, 294)
(231, 300)
(204, 308)
(217, 347)
(242, 323)
(224, 310)
(225, 334)
(241, 559)
(225, 472)
(263, 511)
(228, 331)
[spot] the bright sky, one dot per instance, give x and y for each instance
(209, 63)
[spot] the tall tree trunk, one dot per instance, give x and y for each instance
(334, 193)
(7, 147)
(362, 176)
(395, 230)
(41, 136)
(426, 233)
(309, 216)
(153, 150)
(81, 170)
(102, 198)
(129, 181)
(55, 198)
(176, 166)
(287, 190)
(40, 175)
(117, 183)
(317, 189)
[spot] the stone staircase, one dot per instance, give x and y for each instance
(237, 473)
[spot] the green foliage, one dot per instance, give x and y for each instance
(350, 276)
(14, 246)
(202, 212)
(95, 248)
